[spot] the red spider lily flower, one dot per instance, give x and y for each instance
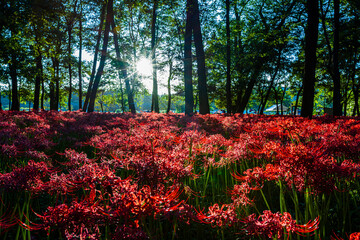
(29, 177)
(240, 194)
(310, 227)
(169, 200)
(81, 219)
(355, 236)
(129, 232)
(218, 216)
(6, 222)
(273, 225)
(257, 175)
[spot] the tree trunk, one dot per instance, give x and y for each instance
(52, 94)
(55, 86)
(228, 60)
(297, 99)
(282, 100)
(38, 77)
(200, 58)
(9, 97)
(155, 96)
(122, 67)
(276, 100)
(80, 57)
(122, 96)
(42, 91)
(15, 106)
(169, 86)
(356, 100)
(189, 95)
(69, 66)
(103, 57)
(336, 79)
(97, 46)
(250, 86)
(271, 84)
(311, 37)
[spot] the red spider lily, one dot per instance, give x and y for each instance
(7, 222)
(258, 175)
(29, 177)
(353, 236)
(31, 226)
(310, 227)
(129, 232)
(80, 219)
(273, 224)
(240, 194)
(169, 201)
(218, 216)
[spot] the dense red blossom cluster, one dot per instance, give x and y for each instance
(140, 164)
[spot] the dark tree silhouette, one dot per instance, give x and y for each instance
(311, 37)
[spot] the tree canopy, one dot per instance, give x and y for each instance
(236, 56)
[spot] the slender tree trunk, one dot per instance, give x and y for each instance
(15, 106)
(271, 85)
(103, 57)
(122, 67)
(204, 107)
(282, 100)
(189, 95)
(196, 101)
(52, 89)
(155, 96)
(297, 99)
(276, 100)
(239, 52)
(38, 78)
(80, 57)
(42, 91)
(122, 96)
(69, 66)
(356, 100)
(228, 60)
(311, 37)
(169, 86)
(57, 85)
(250, 86)
(336, 79)
(10, 95)
(97, 46)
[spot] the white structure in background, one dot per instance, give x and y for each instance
(272, 109)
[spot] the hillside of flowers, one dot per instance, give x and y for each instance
(75, 175)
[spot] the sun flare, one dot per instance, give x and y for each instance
(144, 67)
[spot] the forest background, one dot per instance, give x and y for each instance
(182, 56)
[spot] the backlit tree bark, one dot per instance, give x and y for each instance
(97, 46)
(193, 22)
(189, 96)
(311, 37)
(103, 57)
(122, 67)
(336, 78)
(155, 96)
(228, 59)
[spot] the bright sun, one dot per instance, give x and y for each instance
(144, 67)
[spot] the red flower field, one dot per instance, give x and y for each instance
(75, 175)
